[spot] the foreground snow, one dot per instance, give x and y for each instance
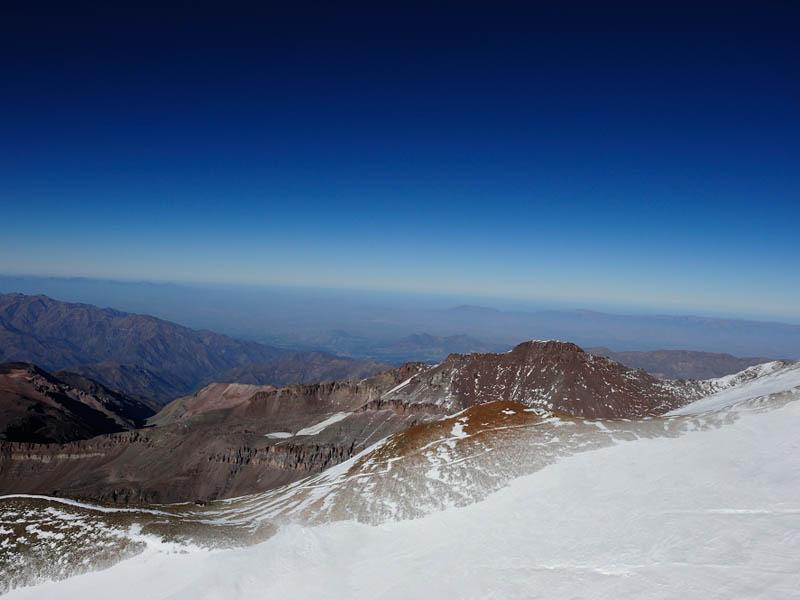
(710, 513)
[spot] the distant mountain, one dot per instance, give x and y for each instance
(384, 336)
(682, 364)
(473, 309)
(417, 347)
(142, 355)
(39, 407)
(353, 323)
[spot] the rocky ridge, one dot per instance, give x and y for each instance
(225, 441)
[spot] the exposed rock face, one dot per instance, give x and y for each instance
(36, 406)
(133, 410)
(552, 375)
(682, 364)
(177, 463)
(214, 444)
(227, 441)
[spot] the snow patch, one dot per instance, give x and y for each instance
(322, 425)
(400, 385)
(458, 429)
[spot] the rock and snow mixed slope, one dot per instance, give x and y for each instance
(508, 501)
(551, 375)
(235, 439)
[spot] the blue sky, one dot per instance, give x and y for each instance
(631, 155)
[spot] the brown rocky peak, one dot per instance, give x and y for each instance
(551, 374)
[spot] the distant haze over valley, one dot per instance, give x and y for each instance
(394, 328)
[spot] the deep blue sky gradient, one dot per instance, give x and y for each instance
(639, 153)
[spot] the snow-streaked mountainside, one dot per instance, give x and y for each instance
(231, 440)
(501, 499)
(545, 374)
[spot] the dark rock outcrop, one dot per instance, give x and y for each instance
(36, 406)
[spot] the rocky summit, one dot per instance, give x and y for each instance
(552, 375)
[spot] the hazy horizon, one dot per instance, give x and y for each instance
(642, 156)
(368, 323)
(49, 284)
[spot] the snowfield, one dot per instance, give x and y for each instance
(710, 512)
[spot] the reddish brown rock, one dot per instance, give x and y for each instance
(221, 442)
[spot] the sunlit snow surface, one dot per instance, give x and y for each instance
(496, 502)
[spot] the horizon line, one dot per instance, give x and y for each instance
(613, 309)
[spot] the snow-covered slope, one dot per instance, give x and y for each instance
(759, 380)
(701, 503)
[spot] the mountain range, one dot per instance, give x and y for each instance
(364, 324)
(619, 504)
(233, 438)
(148, 410)
(148, 357)
(682, 364)
(240, 458)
